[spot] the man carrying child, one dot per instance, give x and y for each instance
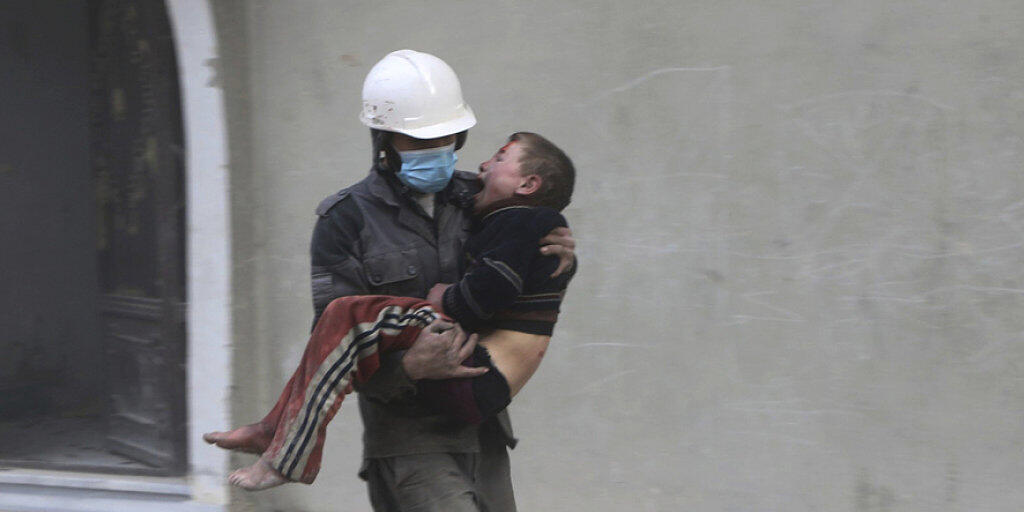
(396, 233)
(507, 295)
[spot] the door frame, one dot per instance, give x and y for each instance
(209, 332)
(207, 243)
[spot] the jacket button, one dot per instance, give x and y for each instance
(412, 270)
(375, 278)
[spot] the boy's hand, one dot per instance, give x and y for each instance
(560, 243)
(436, 296)
(438, 353)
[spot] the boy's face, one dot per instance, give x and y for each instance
(501, 177)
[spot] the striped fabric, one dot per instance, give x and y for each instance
(540, 299)
(506, 271)
(345, 345)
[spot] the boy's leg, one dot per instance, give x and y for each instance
(255, 437)
(344, 345)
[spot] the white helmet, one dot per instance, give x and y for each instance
(416, 94)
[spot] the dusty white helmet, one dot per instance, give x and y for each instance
(414, 93)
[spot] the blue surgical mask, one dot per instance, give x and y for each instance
(428, 170)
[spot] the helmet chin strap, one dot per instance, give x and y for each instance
(382, 145)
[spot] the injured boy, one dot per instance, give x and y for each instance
(507, 296)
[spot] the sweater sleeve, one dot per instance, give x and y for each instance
(496, 278)
(470, 400)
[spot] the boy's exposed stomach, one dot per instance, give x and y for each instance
(516, 354)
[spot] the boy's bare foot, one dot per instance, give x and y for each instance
(250, 439)
(257, 477)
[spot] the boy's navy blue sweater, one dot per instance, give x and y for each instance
(508, 283)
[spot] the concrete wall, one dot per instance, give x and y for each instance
(799, 225)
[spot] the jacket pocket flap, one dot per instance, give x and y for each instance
(391, 268)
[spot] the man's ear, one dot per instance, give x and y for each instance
(529, 185)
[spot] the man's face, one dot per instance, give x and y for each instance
(500, 176)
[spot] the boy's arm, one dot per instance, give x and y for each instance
(496, 280)
(517, 356)
(512, 358)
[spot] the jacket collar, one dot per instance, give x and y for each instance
(505, 204)
(386, 186)
(457, 195)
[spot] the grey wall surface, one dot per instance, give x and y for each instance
(799, 225)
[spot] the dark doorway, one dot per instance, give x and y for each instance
(91, 191)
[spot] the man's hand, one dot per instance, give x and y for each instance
(560, 243)
(438, 353)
